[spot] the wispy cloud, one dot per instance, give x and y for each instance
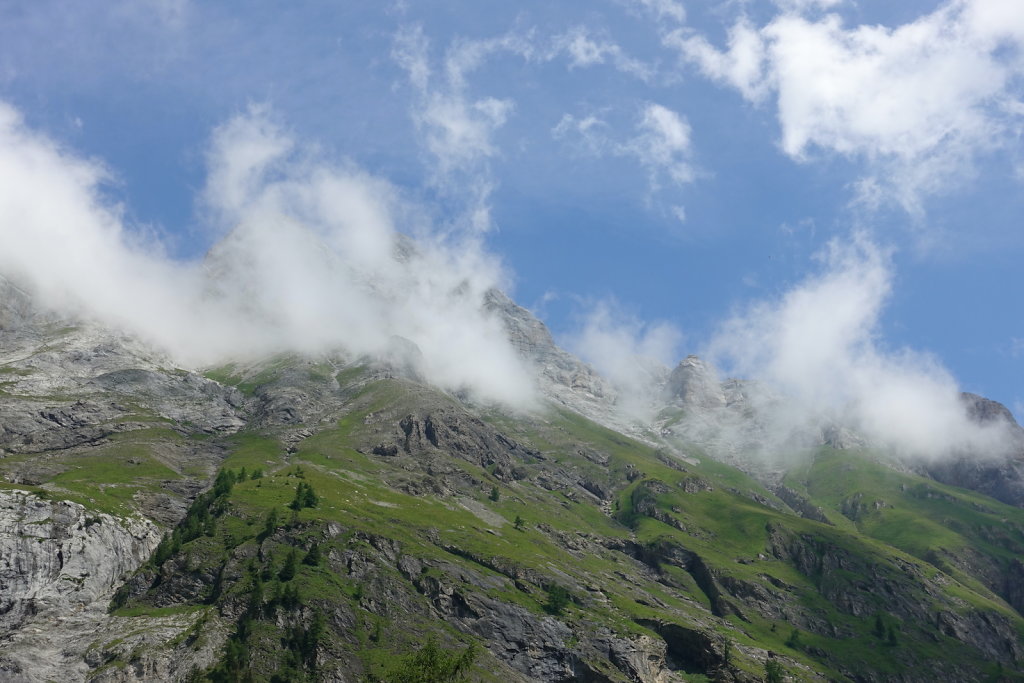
(807, 5)
(134, 38)
(585, 49)
(660, 143)
(664, 10)
(742, 64)
(456, 128)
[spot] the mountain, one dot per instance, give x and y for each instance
(335, 517)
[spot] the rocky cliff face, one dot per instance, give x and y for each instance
(999, 475)
(59, 566)
(561, 376)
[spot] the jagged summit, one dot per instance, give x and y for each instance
(561, 376)
(695, 383)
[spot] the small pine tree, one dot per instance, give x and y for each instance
(163, 551)
(879, 629)
(794, 640)
(772, 671)
(291, 566)
(223, 483)
(270, 526)
(256, 473)
(290, 598)
(890, 639)
(256, 598)
(305, 497)
(312, 557)
(431, 664)
(309, 498)
(495, 494)
(519, 523)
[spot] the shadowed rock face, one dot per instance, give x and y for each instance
(1000, 476)
(985, 411)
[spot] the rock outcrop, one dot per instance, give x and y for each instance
(59, 566)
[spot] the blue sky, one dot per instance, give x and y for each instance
(648, 171)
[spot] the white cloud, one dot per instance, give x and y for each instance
(586, 50)
(805, 5)
(661, 143)
(409, 50)
(662, 9)
(820, 345)
(172, 13)
(309, 264)
(456, 129)
(241, 153)
(742, 65)
(918, 103)
(590, 133)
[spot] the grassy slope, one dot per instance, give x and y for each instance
(721, 521)
(950, 528)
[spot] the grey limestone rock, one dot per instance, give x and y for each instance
(694, 383)
(59, 567)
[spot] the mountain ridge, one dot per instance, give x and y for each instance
(421, 497)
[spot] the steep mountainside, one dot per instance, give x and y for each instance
(334, 518)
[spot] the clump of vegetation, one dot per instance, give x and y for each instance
(773, 672)
(432, 664)
(558, 600)
(291, 566)
(200, 518)
(305, 497)
(794, 641)
(313, 555)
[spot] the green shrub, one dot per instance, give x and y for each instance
(558, 600)
(431, 664)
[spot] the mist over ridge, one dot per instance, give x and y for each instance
(313, 257)
(312, 261)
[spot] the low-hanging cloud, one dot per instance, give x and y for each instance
(633, 355)
(312, 260)
(819, 345)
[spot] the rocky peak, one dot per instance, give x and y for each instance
(695, 383)
(986, 411)
(561, 375)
